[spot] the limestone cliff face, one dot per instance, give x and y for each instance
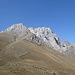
(47, 36)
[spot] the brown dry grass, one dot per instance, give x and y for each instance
(26, 58)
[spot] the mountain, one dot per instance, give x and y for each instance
(45, 34)
(34, 51)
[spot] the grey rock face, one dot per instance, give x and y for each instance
(47, 36)
(33, 38)
(18, 28)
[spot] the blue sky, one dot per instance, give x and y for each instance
(59, 15)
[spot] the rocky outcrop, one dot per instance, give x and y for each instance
(47, 36)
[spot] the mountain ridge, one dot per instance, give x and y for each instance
(45, 34)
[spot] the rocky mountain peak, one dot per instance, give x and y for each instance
(16, 27)
(47, 36)
(42, 30)
(17, 30)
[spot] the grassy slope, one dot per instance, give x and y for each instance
(5, 39)
(26, 58)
